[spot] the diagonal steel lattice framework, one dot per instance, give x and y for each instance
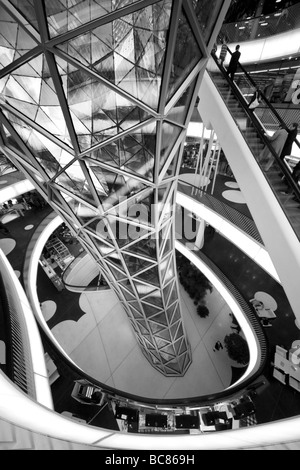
(95, 99)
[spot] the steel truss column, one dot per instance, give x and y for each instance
(101, 100)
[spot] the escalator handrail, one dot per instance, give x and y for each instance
(265, 99)
(260, 130)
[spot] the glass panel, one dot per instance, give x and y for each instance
(9, 140)
(183, 347)
(168, 246)
(155, 328)
(30, 89)
(143, 327)
(14, 41)
(165, 334)
(163, 267)
(97, 111)
(114, 259)
(127, 285)
(171, 171)
(207, 14)
(129, 51)
(180, 362)
(118, 275)
(82, 211)
(98, 179)
(166, 357)
(133, 153)
(167, 291)
(162, 195)
(150, 309)
(126, 294)
(170, 272)
(187, 54)
(125, 233)
(134, 264)
(170, 312)
(170, 134)
(164, 233)
(173, 296)
(154, 298)
(178, 112)
(26, 8)
(176, 315)
(145, 247)
(103, 247)
(173, 329)
(50, 156)
(150, 276)
(74, 181)
(66, 15)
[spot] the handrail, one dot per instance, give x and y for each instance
(269, 105)
(233, 215)
(18, 359)
(261, 132)
(250, 312)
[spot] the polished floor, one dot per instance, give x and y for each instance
(101, 342)
(274, 400)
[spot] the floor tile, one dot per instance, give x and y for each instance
(91, 357)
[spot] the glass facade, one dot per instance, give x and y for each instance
(95, 98)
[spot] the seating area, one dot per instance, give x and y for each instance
(286, 366)
(264, 306)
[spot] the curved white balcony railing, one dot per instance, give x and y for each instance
(31, 370)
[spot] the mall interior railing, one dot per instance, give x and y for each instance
(18, 363)
(240, 220)
(97, 283)
(278, 176)
(244, 305)
(112, 395)
(262, 26)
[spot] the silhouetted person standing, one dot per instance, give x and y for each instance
(292, 135)
(234, 61)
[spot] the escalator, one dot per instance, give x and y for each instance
(278, 176)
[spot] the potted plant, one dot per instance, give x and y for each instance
(202, 311)
(237, 348)
(193, 281)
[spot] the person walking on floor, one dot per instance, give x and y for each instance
(292, 135)
(218, 346)
(277, 141)
(234, 61)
